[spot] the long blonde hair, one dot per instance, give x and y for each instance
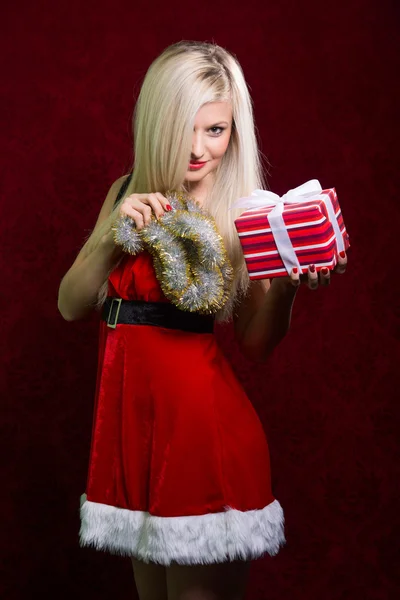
(184, 77)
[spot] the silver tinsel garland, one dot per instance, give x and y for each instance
(189, 256)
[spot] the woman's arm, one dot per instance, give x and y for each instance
(78, 290)
(263, 317)
(79, 287)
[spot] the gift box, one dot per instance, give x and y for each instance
(303, 227)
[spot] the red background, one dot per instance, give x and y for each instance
(321, 75)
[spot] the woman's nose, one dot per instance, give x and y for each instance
(197, 148)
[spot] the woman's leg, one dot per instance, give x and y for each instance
(217, 581)
(150, 579)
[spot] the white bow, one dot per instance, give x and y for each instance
(264, 198)
(309, 190)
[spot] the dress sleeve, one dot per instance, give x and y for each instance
(122, 189)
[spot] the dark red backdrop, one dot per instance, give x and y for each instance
(321, 75)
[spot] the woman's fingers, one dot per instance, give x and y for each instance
(342, 263)
(141, 207)
(312, 277)
(163, 201)
(324, 276)
(158, 203)
(146, 211)
(141, 203)
(136, 215)
(295, 277)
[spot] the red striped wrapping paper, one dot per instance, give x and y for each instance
(310, 232)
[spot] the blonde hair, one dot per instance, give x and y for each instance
(183, 78)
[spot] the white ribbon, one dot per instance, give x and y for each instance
(303, 193)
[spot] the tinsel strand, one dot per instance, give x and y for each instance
(189, 257)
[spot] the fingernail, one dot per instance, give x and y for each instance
(169, 207)
(342, 254)
(295, 270)
(312, 268)
(325, 271)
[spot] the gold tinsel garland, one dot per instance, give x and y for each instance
(189, 257)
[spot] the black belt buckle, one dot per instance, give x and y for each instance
(114, 323)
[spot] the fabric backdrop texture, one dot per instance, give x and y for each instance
(323, 78)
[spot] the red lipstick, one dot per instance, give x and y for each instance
(196, 165)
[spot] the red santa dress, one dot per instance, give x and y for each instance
(179, 467)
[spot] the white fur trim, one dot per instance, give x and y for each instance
(197, 539)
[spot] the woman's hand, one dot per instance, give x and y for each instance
(140, 207)
(313, 279)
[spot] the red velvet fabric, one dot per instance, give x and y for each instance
(174, 433)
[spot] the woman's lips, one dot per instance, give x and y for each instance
(197, 165)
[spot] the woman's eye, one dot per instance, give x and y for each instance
(220, 128)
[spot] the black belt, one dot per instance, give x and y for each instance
(161, 314)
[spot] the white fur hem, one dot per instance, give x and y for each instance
(197, 539)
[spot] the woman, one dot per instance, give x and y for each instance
(179, 475)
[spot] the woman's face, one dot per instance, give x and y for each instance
(211, 135)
